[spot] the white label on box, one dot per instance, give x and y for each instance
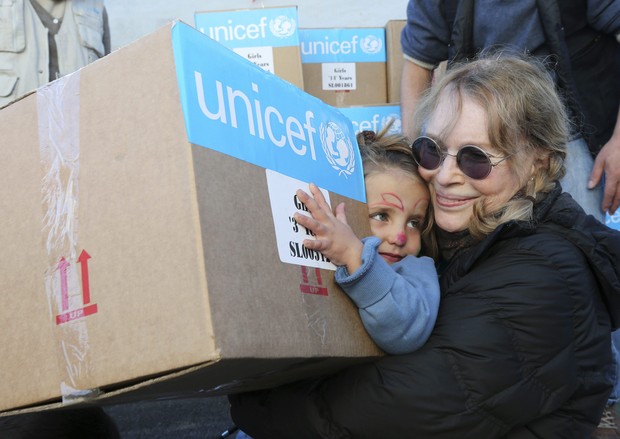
(289, 234)
(339, 76)
(261, 56)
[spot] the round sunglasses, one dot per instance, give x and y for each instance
(472, 160)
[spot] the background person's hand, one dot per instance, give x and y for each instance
(608, 161)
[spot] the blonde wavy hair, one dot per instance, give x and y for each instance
(383, 151)
(526, 118)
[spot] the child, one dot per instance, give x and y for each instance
(396, 291)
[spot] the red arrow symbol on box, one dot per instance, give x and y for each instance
(64, 290)
(83, 260)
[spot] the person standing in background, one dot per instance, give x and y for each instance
(48, 39)
(579, 41)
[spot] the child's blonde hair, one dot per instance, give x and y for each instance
(383, 151)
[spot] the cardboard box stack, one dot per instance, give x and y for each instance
(149, 248)
(394, 57)
(374, 117)
(345, 66)
(268, 37)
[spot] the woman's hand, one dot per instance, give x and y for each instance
(334, 237)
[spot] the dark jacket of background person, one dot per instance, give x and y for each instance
(486, 371)
(579, 36)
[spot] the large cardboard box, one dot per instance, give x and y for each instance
(268, 37)
(148, 245)
(374, 117)
(394, 58)
(345, 66)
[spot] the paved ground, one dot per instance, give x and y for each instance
(196, 418)
(203, 418)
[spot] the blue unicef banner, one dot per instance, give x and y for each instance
(613, 221)
(272, 27)
(374, 117)
(342, 45)
(234, 107)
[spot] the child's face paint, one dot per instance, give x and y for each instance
(397, 206)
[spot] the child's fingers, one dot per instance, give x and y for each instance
(341, 214)
(313, 207)
(306, 221)
(319, 198)
(316, 244)
(306, 199)
(310, 223)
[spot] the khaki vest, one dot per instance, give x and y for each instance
(24, 52)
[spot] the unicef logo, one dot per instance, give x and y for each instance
(337, 148)
(371, 44)
(613, 221)
(282, 26)
(396, 125)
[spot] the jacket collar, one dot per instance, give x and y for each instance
(560, 214)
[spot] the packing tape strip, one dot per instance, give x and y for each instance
(315, 306)
(58, 109)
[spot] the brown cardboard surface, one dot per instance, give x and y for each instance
(287, 65)
(364, 84)
(394, 55)
(20, 284)
(371, 85)
(181, 262)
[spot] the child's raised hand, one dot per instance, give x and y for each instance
(334, 237)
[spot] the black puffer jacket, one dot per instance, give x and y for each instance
(521, 348)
